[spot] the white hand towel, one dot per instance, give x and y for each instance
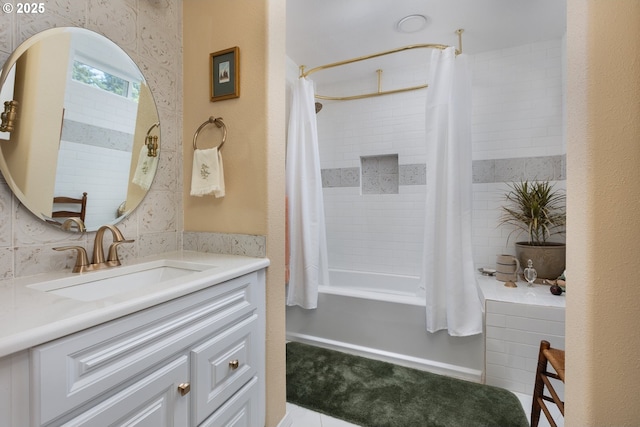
(207, 175)
(145, 169)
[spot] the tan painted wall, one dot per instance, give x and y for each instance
(210, 26)
(276, 143)
(254, 152)
(41, 100)
(603, 188)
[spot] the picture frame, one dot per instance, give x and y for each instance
(224, 74)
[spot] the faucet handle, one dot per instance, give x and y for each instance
(82, 261)
(112, 257)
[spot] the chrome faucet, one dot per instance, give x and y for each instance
(98, 261)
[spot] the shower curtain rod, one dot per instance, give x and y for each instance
(380, 92)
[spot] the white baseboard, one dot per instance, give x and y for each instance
(447, 369)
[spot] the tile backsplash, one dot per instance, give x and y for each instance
(552, 168)
(226, 243)
(151, 33)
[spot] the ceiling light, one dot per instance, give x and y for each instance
(411, 23)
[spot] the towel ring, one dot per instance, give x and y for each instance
(218, 122)
(155, 125)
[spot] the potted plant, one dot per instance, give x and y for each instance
(537, 209)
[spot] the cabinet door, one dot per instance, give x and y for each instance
(239, 411)
(153, 401)
(222, 365)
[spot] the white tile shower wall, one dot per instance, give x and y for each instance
(366, 233)
(107, 169)
(518, 98)
(100, 172)
(373, 232)
(513, 335)
(109, 110)
(517, 113)
(151, 33)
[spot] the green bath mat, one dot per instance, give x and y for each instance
(378, 394)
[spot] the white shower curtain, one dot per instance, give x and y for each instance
(448, 271)
(308, 264)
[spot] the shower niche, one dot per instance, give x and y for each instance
(380, 174)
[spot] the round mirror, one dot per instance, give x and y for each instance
(79, 136)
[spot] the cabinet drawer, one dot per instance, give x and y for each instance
(222, 365)
(73, 370)
(153, 401)
(239, 411)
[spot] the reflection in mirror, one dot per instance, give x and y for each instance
(84, 113)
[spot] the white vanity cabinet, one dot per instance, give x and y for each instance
(197, 360)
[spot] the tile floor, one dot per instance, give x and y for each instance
(305, 418)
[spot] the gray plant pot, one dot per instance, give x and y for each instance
(548, 259)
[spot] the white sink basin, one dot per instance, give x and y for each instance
(101, 284)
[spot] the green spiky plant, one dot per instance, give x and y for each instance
(535, 208)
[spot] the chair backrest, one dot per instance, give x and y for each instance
(80, 213)
(553, 357)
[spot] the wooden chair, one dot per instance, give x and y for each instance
(68, 213)
(554, 357)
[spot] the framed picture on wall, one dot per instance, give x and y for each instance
(225, 74)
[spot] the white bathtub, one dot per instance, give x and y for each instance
(382, 316)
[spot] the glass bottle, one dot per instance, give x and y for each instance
(530, 273)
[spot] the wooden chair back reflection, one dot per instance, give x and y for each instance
(79, 213)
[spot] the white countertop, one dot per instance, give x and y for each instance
(29, 317)
(495, 290)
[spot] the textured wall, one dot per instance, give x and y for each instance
(150, 31)
(603, 181)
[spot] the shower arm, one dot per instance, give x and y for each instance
(380, 92)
